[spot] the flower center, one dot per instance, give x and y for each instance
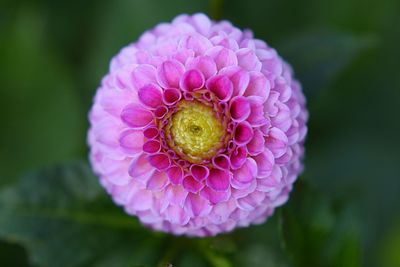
(194, 131)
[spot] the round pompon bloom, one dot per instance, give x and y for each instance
(198, 128)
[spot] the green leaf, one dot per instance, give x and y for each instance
(62, 217)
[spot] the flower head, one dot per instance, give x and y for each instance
(198, 128)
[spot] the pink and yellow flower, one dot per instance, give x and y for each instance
(198, 128)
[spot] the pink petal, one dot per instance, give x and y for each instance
(222, 162)
(150, 95)
(247, 172)
(218, 180)
(177, 215)
(131, 141)
(256, 145)
(197, 205)
(196, 42)
(265, 162)
(113, 100)
(221, 86)
(238, 157)
(176, 195)
(258, 86)
(192, 80)
(142, 200)
(142, 75)
(222, 56)
(277, 142)
(157, 181)
(272, 181)
(160, 161)
(136, 116)
(202, 23)
(169, 73)
(256, 117)
(239, 108)
(152, 146)
(175, 175)
(191, 184)
(171, 96)
(204, 64)
(239, 78)
(215, 197)
(140, 168)
(248, 60)
(270, 108)
(199, 172)
(282, 120)
(243, 133)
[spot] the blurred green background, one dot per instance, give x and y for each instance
(345, 209)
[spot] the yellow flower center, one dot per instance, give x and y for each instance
(195, 132)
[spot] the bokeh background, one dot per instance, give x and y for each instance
(345, 209)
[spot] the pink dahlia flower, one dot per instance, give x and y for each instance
(198, 128)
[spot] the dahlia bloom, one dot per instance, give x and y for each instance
(198, 128)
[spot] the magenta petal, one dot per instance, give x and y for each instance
(218, 180)
(192, 80)
(131, 141)
(169, 73)
(215, 197)
(191, 184)
(265, 162)
(199, 172)
(151, 132)
(222, 162)
(175, 175)
(243, 133)
(136, 116)
(160, 161)
(221, 86)
(238, 157)
(152, 146)
(157, 181)
(256, 145)
(247, 172)
(171, 96)
(160, 112)
(150, 95)
(239, 108)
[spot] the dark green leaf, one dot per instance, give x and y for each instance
(63, 218)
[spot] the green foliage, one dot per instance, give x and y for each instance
(67, 221)
(344, 209)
